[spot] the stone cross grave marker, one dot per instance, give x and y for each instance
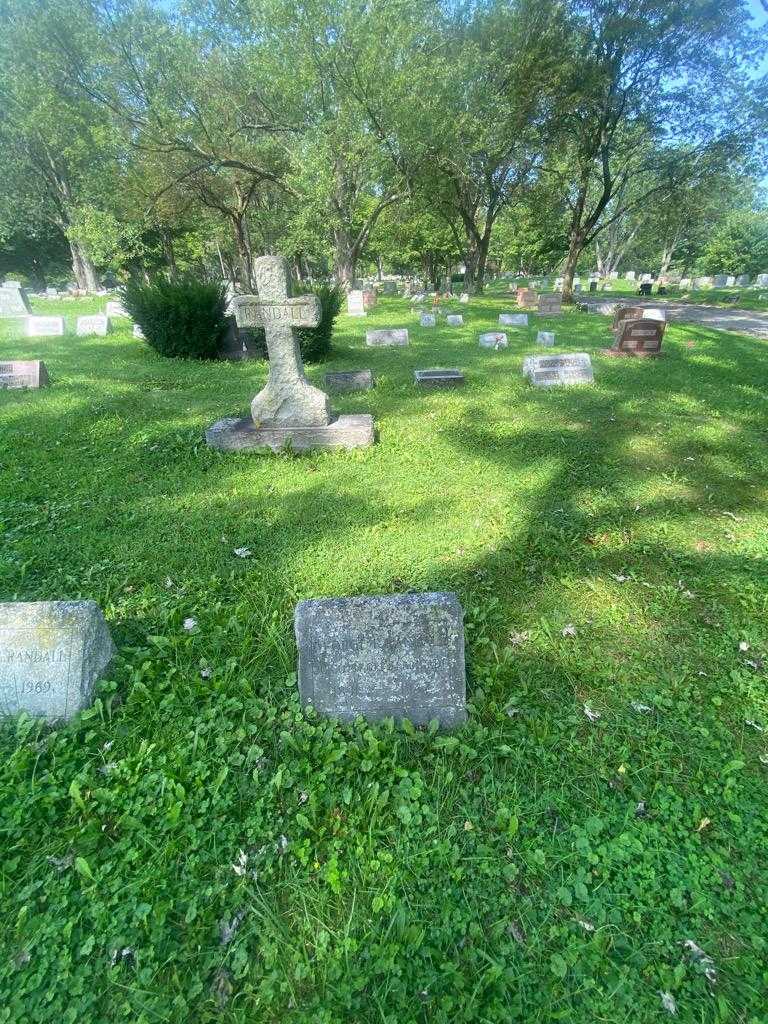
(44, 326)
(550, 371)
(23, 373)
(400, 656)
(51, 654)
(288, 410)
(13, 300)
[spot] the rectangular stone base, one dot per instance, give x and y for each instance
(236, 435)
(637, 353)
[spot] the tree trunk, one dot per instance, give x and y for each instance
(170, 255)
(243, 250)
(82, 267)
(346, 260)
(569, 270)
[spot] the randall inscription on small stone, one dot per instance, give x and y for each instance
(51, 654)
(400, 656)
(23, 373)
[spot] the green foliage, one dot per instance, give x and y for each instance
(739, 245)
(183, 319)
(390, 875)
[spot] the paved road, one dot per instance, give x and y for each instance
(742, 320)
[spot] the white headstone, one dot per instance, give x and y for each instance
(428, 320)
(115, 308)
(13, 300)
(761, 280)
(685, 282)
(51, 654)
(650, 313)
(97, 324)
(614, 275)
(454, 320)
(559, 284)
(719, 280)
(355, 303)
(630, 275)
(417, 298)
(551, 371)
(464, 298)
(137, 332)
(51, 293)
(23, 373)
(730, 281)
(513, 319)
(546, 338)
(44, 326)
(742, 280)
(576, 284)
(493, 339)
(393, 336)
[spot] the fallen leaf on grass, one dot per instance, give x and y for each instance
(642, 709)
(704, 823)
(667, 999)
(190, 624)
(754, 725)
(640, 810)
(586, 925)
(591, 715)
(569, 630)
(228, 929)
(743, 645)
(518, 638)
(62, 863)
(516, 931)
(242, 552)
(222, 986)
(698, 956)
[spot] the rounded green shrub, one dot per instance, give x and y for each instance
(182, 319)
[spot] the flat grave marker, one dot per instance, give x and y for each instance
(428, 320)
(45, 326)
(513, 319)
(400, 656)
(552, 371)
(51, 654)
(349, 380)
(439, 378)
(546, 338)
(97, 324)
(393, 336)
(23, 373)
(550, 305)
(493, 339)
(454, 320)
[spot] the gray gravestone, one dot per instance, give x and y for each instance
(761, 280)
(493, 339)
(428, 320)
(550, 371)
(400, 656)
(23, 373)
(289, 411)
(550, 305)
(730, 281)
(13, 300)
(742, 280)
(380, 339)
(388, 287)
(513, 319)
(720, 281)
(454, 320)
(98, 324)
(115, 308)
(630, 275)
(546, 338)
(349, 380)
(438, 378)
(44, 326)
(51, 654)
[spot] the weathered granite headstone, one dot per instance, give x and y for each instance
(45, 326)
(641, 337)
(551, 371)
(418, 298)
(355, 305)
(550, 305)
(98, 324)
(513, 319)
(23, 373)
(454, 320)
(13, 300)
(388, 287)
(630, 275)
(51, 654)
(428, 320)
(546, 338)
(652, 313)
(577, 284)
(400, 656)
(493, 339)
(438, 378)
(761, 280)
(289, 411)
(464, 298)
(349, 380)
(392, 336)
(743, 280)
(720, 280)
(526, 297)
(730, 281)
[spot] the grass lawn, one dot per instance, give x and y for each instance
(608, 545)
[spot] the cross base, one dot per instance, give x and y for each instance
(637, 353)
(235, 435)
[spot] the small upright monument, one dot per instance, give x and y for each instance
(13, 300)
(288, 411)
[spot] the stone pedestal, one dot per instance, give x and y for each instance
(243, 435)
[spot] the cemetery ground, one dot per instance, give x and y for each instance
(590, 846)
(742, 298)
